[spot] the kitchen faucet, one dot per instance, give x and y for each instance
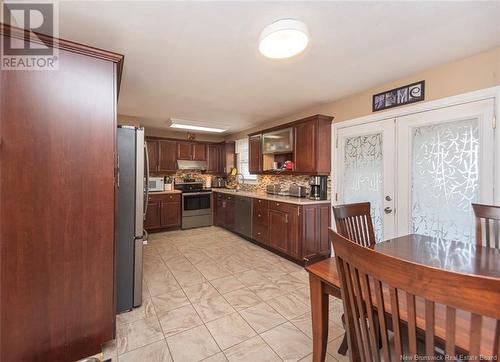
(239, 178)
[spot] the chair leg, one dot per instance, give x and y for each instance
(343, 346)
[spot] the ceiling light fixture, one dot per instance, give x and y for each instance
(192, 127)
(283, 39)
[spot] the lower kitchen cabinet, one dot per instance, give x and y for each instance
(298, 232)
(224, 213)
(163, 213)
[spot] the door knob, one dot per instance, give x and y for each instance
(387, 210)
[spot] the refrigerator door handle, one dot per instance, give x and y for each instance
(146, 188)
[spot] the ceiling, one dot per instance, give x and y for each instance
(200, 61)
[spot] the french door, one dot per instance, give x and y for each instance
(421, 172)
(366, 159)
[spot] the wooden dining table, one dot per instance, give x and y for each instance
(462, 257)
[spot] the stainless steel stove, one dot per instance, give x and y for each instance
(196, 204)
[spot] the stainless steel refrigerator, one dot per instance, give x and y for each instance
(132, 203)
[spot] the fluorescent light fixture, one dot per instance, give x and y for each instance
(283, 39)
(181, 124)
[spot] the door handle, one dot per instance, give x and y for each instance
(388, 210)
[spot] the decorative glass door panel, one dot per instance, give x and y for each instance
(363, 171)
(444, 166)
(445, 179)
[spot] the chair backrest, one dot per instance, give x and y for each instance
(354, 222)
(413, 294)
(487, 225)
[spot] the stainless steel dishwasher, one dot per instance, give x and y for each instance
(243, 215)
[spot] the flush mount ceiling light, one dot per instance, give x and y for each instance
(283, 39)
(182, 124)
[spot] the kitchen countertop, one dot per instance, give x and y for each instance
(266, 196)
(164, 192)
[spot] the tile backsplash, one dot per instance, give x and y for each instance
(262, 180)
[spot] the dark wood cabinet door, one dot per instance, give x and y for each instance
(199, 151)
(294, 231)
(153, 216)
(220, 211)
(212, 158)
(167, 156)
(153, 155)
(278, 230)
(170, 213)
(229, 156)
(221, 164)
(184, 150)
(229, 212)
(255, 154)
(324, 245)
(305, 146)
(309, 231)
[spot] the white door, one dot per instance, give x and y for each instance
(445, 162)
(364, 171)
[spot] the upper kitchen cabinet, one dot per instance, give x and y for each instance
(255, 154)
(305, 142)
(191, 151)
(167, 152)
(312, 145)
(162, 155)
(184, 151)
(199, 152)
(213, 158)
(152, 148)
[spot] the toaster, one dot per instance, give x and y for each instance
(297, 191)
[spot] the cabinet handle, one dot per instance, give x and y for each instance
(286, 218)
(260, 201)
(277, 204)
(258, 233)
(258, 215)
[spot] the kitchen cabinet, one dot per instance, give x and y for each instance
(57, 254)
(213, 158)
(164, 212)
(199, 151)
(184, 150)
(312, 145)
(224, 211)
(255, 154)
(284, 230)
(304, 146)
(314, 234)
(311, 152)
(167, 156)
(152, 147)
(191, 151)
(229, 156)
(297, 232)
(153, 215)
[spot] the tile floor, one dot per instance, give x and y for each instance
(210, 295)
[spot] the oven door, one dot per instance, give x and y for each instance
(196, 203)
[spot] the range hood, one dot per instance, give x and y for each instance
(191, 165)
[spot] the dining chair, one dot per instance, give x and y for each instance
(417, 296)
(489, 216)
(354, 222)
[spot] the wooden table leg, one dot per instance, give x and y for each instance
(319, 312)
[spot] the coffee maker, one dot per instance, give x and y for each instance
(319, 187)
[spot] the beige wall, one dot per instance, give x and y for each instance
(461, 76)
(157, 132)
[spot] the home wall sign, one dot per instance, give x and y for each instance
(407, 94)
